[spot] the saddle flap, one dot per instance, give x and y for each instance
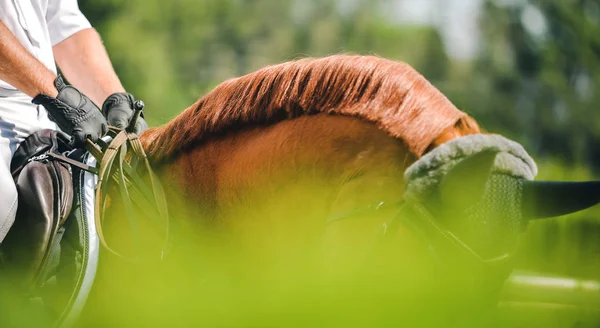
(45, 191)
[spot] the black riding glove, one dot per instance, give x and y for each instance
(74, 113)
(118, 110)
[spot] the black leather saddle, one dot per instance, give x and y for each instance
(45, 189)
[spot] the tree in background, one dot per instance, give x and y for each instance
(540, 65)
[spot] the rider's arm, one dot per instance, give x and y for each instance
(79, 53)
(85, 63)
(23, 71)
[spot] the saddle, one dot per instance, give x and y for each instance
(45, 189)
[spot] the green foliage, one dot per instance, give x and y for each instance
(540, 66)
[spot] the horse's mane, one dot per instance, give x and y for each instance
(390, 94)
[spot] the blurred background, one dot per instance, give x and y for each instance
(527, 69)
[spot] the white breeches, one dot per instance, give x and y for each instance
(18, 119)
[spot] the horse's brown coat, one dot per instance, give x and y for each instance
(228, 148)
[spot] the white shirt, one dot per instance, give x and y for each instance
(40, 24)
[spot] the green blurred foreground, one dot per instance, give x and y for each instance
(261, 273)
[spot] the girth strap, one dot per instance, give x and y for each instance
(119, 164)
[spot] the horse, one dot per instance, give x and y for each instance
(271, 181)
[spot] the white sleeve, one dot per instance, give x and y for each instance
(64, 19)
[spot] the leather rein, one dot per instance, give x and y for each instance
(122, 162)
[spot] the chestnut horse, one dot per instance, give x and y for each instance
(254, 169)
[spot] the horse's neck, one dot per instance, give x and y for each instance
(257, 167)
(244, 166)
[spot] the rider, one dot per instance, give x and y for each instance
(34, 34)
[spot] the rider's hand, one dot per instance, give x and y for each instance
(74, 113)
(118, 110)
